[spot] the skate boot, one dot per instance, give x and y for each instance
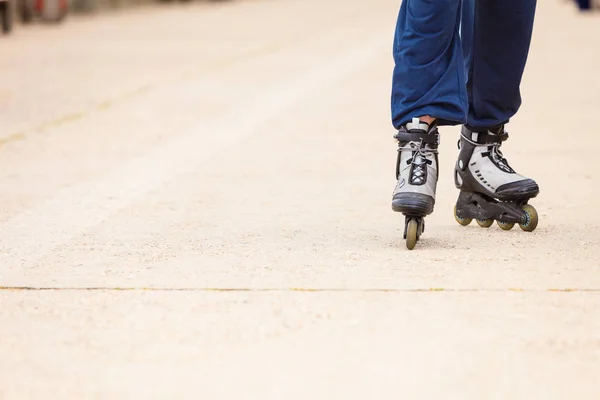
(489, 188)
(417, 174)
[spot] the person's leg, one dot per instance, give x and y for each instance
(428, 77)
(428, 89)
(584, 4)
(496, 35)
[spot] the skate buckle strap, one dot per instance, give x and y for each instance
(484, 137)
(429, 138)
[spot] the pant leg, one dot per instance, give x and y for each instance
(428, 75)
(496, 35)
(584, 4)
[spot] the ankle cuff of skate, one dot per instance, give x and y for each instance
(484, 137)
(429, 138)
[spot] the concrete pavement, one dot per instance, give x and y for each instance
(199, 198)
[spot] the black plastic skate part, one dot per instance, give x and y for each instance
(482, 207)
(413, 204)
(484, 136)
(424, 137)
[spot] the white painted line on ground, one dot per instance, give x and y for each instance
(31, 235)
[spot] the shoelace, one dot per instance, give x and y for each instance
(418, 160)
(498, 157)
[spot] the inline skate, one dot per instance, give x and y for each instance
(490, 190)
(417, 174)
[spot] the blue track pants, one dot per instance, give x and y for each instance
(460, 61)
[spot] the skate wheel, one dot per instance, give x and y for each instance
(460, 220)
(507, 226)
(412, 230)
(531, 218)
(485, 223)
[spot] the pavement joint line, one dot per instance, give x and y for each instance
(284, 289)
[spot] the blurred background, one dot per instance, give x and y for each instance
(25, 12)
(16, 13)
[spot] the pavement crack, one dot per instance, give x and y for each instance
(284, 289)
